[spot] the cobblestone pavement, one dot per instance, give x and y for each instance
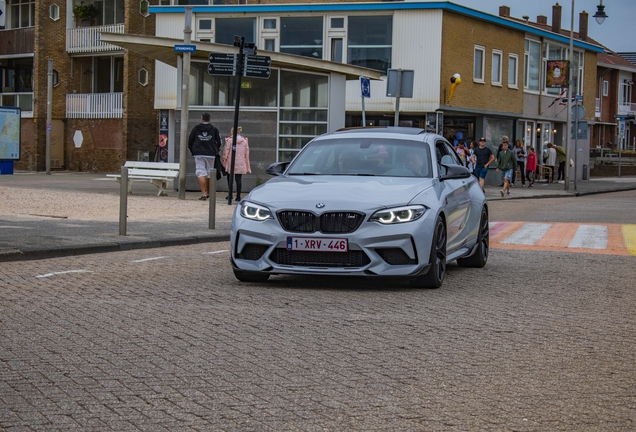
(167, 339)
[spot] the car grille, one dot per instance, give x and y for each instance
(328, 223)
(252, 252)
(395, 256)
(352, 258)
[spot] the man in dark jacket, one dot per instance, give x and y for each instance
(506, 162)
(204, 144)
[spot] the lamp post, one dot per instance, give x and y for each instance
(600, 16)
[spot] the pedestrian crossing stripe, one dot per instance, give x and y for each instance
(610, 239)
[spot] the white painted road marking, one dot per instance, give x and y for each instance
(149, 259)
(62, 272)
(215, 252)
(590, 237)
(528, 234)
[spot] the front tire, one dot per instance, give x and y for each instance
(437, 272)
(480, 257)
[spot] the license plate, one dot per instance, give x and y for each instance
(317, 244)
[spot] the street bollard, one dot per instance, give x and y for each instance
(123, 200)
(212, 199)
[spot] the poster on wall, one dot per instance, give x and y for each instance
(556, 74)
(161, 154)
(9, 133)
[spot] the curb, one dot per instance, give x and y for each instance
(65, 251)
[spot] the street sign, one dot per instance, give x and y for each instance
(365, 87)
(185, 48)
(222, 64)
(405, 77)
(256, 60)
(257, 66)
(257, 72)
(221, 69)
(222, 58)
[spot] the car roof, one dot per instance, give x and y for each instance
(383, 129)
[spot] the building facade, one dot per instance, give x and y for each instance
(102, 96)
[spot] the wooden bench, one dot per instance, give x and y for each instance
(158, 173)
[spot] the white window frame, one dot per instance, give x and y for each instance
(205, 35)
(482, 72)
(496, 80)
(336, 33)
(526, 67)
(605, 88)
(514, 70)
(266, 34)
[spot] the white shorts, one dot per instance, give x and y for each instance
(203, 165)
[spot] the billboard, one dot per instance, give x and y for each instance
(9, 133)
(556, 75)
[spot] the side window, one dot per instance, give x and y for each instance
(446, 155)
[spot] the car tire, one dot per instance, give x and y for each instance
(480, 257)
(247, 276)
(437, 271)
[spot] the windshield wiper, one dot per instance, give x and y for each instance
(302, 173)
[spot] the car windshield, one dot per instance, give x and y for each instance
(363, 157)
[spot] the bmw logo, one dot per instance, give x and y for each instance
(320, 205)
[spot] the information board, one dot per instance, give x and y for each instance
(9, 133)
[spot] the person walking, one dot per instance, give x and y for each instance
(520, 156)
(471, 150)
(531, 166)
(204, 144)
(482, 158)
(462, 152)
(506, 163)
(552, 161)
(241, 160)
(561, 156)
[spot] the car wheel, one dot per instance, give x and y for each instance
(480, 257)
(437, 272)
(248, 276)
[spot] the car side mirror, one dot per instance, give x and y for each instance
(455, 172)
(277, 169)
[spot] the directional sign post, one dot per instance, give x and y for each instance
(365, 90)
(185, 48)
(222, 64)
(257, 66)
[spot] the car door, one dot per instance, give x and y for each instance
(456, 197)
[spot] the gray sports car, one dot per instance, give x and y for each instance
(373, 202)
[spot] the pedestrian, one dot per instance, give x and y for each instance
(520, 156)
(471, 150)
(504, 139)
(482, 158)
(204, 144)
(551, 160)
(241, 160)
(531, 166)
(462, 152)
(561, 156)
(506, 164)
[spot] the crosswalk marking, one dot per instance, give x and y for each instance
(611, 239)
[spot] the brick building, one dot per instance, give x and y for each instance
(102, 104)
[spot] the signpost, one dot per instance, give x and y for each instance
(185, 48)
(399, 84)
(222, 64)
(365, 92)
(257, 66)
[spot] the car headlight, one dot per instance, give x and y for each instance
(255, 212)
(398, 215)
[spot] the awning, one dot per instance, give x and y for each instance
(162, 49)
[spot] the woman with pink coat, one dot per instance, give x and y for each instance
(241, 160)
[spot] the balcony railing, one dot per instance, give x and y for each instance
(626, 108)
(86, 39)
(94, 105)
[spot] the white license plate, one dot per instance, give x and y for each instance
(317, 244)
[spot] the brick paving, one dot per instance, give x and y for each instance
(536, 341)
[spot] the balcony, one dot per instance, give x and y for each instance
(86, 39)
(94, 105)
(626, 108)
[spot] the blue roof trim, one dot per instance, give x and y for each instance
(384, 6)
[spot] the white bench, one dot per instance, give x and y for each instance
(158, 173)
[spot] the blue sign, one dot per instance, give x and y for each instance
(185, 48)
(365, 86)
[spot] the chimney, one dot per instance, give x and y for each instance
(583, 25)
(542, 19)
(504, 11)
(556, 18)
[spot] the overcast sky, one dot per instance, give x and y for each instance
(618, 32)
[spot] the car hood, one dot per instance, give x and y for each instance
(339, 192)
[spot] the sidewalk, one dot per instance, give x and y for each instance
(75, 213)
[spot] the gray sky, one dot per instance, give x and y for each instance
(618, 32)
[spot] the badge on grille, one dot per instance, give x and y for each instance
(320, 205)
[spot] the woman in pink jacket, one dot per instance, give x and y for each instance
(241, 160)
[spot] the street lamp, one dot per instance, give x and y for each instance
(600, 16)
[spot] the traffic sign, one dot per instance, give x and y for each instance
(185, 48)
(256, 60)
(222, 58)
(221, 69)
(257, 71)
(365, 87)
